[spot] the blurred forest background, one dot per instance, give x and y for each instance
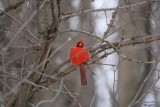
(121, 35)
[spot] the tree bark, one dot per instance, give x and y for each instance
(40, 57)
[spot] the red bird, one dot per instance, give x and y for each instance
(78, 56)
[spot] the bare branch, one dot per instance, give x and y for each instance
(11, 7)
(72, 14)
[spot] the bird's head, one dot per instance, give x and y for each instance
(80, 43)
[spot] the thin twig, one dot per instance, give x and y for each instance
(134, 101)
(54, 98)
(72, 14)
(11, 7)
(71, 95)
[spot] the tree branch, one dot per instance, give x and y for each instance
(11, 7)
(72, 14)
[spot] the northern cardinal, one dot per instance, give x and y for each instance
(78, 56)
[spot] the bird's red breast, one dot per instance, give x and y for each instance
(79, 53)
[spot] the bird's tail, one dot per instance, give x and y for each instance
(83, 74)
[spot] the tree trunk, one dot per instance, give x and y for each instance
(40, 56)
